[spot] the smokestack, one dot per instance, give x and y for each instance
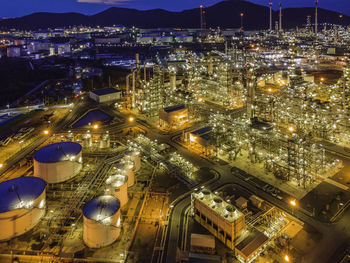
(316, 17)
(270, 16)
(280, 16)
(202, 21)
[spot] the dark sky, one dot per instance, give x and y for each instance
(12, 8)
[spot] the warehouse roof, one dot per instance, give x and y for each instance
(57, 152)
(202, 130)
(101, 207)
(106, 91)
(18, 192)
(174, 108)
(252, 243)
(199, 240)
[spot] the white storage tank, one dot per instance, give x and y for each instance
(105, 141)
(101, 221)
(58, 162)
(125, 167)
(23, 203)
(134, 155)
(117, 185)
(87, 140)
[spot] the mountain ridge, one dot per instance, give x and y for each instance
(225, 14)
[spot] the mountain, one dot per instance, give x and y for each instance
(225, 14)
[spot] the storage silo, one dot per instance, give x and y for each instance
(135, 156)
(117, 185)
(58, 162)
(87, 140)
(101, 221)
(125, 167)
(105, 141)
(23, 203)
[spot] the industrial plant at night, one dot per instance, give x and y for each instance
(219, 133)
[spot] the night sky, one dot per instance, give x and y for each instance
(13, 8)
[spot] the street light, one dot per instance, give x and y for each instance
(1, 165)
(286, 258)
(131, 119)
(46, 132)
(291, 129)
(95, 126)
(293, 202)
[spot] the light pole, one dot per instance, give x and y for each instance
(293, 204)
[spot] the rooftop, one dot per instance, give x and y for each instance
(117, 180)
(101, 207)
(202, 130)
(253, 242)
(227, 211)
(106, 91)
(20, 192)
(57, 152)
(174, 108)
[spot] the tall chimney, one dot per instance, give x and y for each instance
(270, 16)
(316, 17)
(280, 16)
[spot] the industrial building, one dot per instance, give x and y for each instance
(173, 116)
(105, 95)
(202, 140)
(220, 218)
(251, 247)
(58, 162)
(204, 244)
(23, 204)
(101, 221)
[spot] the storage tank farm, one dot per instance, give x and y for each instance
(23, 204)
(117, 185)
(58, 162)
(101, 221)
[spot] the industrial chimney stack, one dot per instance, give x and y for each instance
(270, 16)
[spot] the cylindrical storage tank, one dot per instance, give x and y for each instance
(87, 140)
(23, 203)
(134, 156)
(101, 221)
(58, 162)
(105, 141)
(125, 167)
(117, 185)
